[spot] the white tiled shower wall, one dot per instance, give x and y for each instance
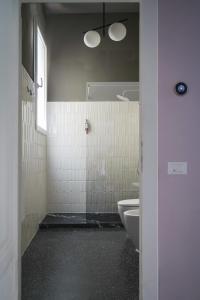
(34, 203)
(112, 154)
(90, 173)
(66, 157)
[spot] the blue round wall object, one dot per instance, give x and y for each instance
(181, 88)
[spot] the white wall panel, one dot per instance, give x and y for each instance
(90, 173)
(112, 154)
(9, 150)
(34, 202)
(66, 156)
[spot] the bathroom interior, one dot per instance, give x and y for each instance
(80, 151)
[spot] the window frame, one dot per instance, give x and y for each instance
(38, 31)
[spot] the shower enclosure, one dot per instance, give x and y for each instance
(89, 172)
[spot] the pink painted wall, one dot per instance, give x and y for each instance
(179, 140)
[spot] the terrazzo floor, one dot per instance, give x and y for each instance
(80, 264)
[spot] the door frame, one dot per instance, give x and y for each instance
(10, 119)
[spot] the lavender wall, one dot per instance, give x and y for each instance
(179, 140)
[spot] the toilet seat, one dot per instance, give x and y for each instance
(129, 202)
(132, 213)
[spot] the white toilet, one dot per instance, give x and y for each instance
(131, 223)
(129, 204)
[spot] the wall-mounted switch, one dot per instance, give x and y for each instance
(177, 168)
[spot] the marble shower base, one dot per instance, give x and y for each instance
(79, 220)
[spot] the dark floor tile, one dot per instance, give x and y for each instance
(80, 264)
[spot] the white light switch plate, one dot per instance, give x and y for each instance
(177, 168)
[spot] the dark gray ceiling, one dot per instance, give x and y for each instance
(84, 8)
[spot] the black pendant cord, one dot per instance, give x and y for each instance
(104, 19)
(104, 26)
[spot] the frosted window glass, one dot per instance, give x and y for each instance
(41, 70)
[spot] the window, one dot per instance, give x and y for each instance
(41, 82)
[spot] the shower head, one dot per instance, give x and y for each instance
(122, 98)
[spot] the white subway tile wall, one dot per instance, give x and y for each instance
(112, 154)
(90, 173)
(66, 157)
(33, 196)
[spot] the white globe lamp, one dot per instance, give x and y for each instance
(117, 32)
(92, 39)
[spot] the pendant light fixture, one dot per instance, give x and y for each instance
(92, 39)
(116, 31)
